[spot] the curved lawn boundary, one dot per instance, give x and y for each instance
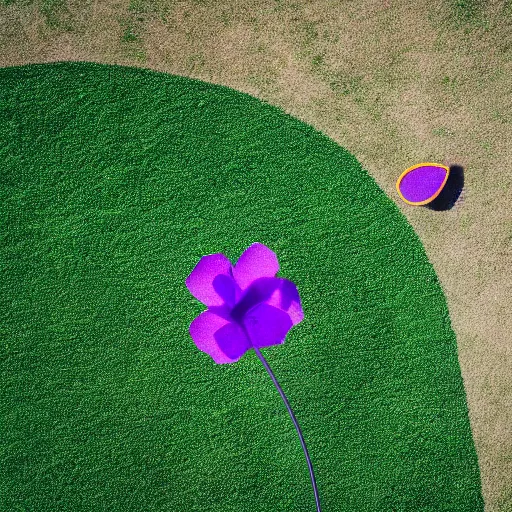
(114, 182)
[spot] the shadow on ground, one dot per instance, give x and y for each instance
(451, 191)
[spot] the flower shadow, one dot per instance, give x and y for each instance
(451, 191)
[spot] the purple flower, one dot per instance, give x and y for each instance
(248, 307)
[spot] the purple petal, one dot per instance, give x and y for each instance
(259, 291)
(274, 291)
(224, 341)
(286, 297)
(267, 325)
(255, 262)
(232, 340)
(225, 287)
(208, 282)
(422, 183)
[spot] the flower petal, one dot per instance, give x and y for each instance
(255, 262)
(224, 341)
(260, 290)
(232, 340)
(210, 281)
(267, 325)
(286, 297)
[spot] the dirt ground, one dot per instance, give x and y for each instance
(396, 84)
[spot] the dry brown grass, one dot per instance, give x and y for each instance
(396, 83)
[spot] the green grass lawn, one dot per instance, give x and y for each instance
(114, 182)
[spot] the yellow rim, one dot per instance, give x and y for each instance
(408, 170)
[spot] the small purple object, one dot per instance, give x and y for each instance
(422, 183)
(248, 307)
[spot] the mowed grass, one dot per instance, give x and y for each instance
(115, 181)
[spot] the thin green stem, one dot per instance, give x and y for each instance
(283, 396)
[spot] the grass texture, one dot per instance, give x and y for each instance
(114, 182)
